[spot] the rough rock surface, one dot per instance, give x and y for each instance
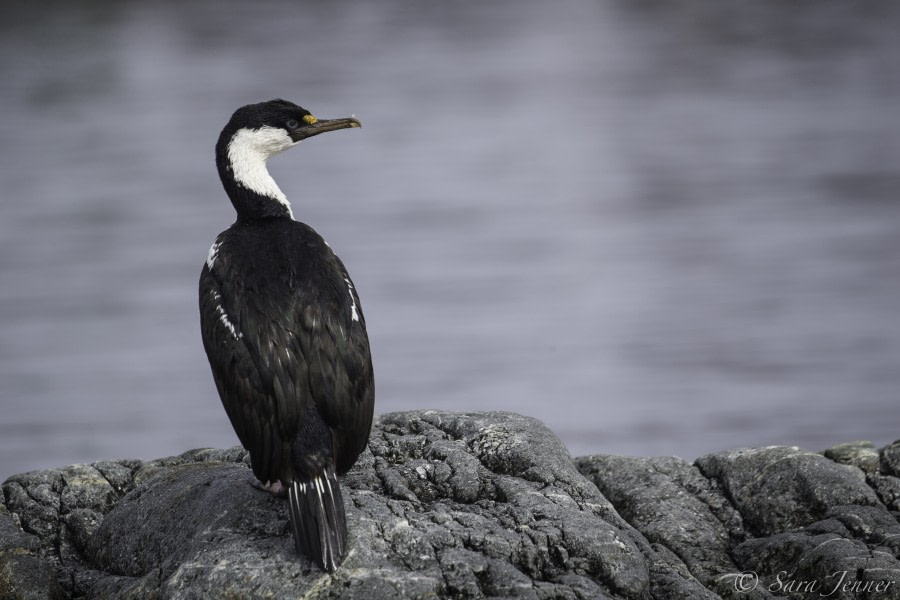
(463, 505)
(773, 522)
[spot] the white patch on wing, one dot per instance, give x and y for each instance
(248, 151)
(213, 255)
(223, 316)
(354, 313)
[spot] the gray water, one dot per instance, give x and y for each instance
(662, 228)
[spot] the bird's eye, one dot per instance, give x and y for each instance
(292, 124)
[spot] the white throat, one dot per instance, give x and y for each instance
(248, 151)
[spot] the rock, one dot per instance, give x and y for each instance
(441, 505)
(767, 522)
(890, 459)
(676, 507)
(23, 573)
(853, 549)
(781, 488)
(858, 454)
(888, 490)
(458, 505)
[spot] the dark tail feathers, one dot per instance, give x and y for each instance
(318, 520)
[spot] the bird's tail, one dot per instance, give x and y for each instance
(318, 519)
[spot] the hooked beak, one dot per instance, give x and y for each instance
(323, 126)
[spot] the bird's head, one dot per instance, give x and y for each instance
(274, 126)
(253, 135)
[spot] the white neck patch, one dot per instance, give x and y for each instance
(248, 151)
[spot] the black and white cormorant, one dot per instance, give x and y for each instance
(284, 333)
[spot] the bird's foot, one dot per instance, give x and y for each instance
(275, 488)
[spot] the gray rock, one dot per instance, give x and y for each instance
(23, 573)
(674, 506)
(858, 454)
(852, 553)
(443, 505)
(455, 505)
(890, 459)
(780, 488)
(888, 490)
(767, 522)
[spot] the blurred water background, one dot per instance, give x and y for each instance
(662, 228)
